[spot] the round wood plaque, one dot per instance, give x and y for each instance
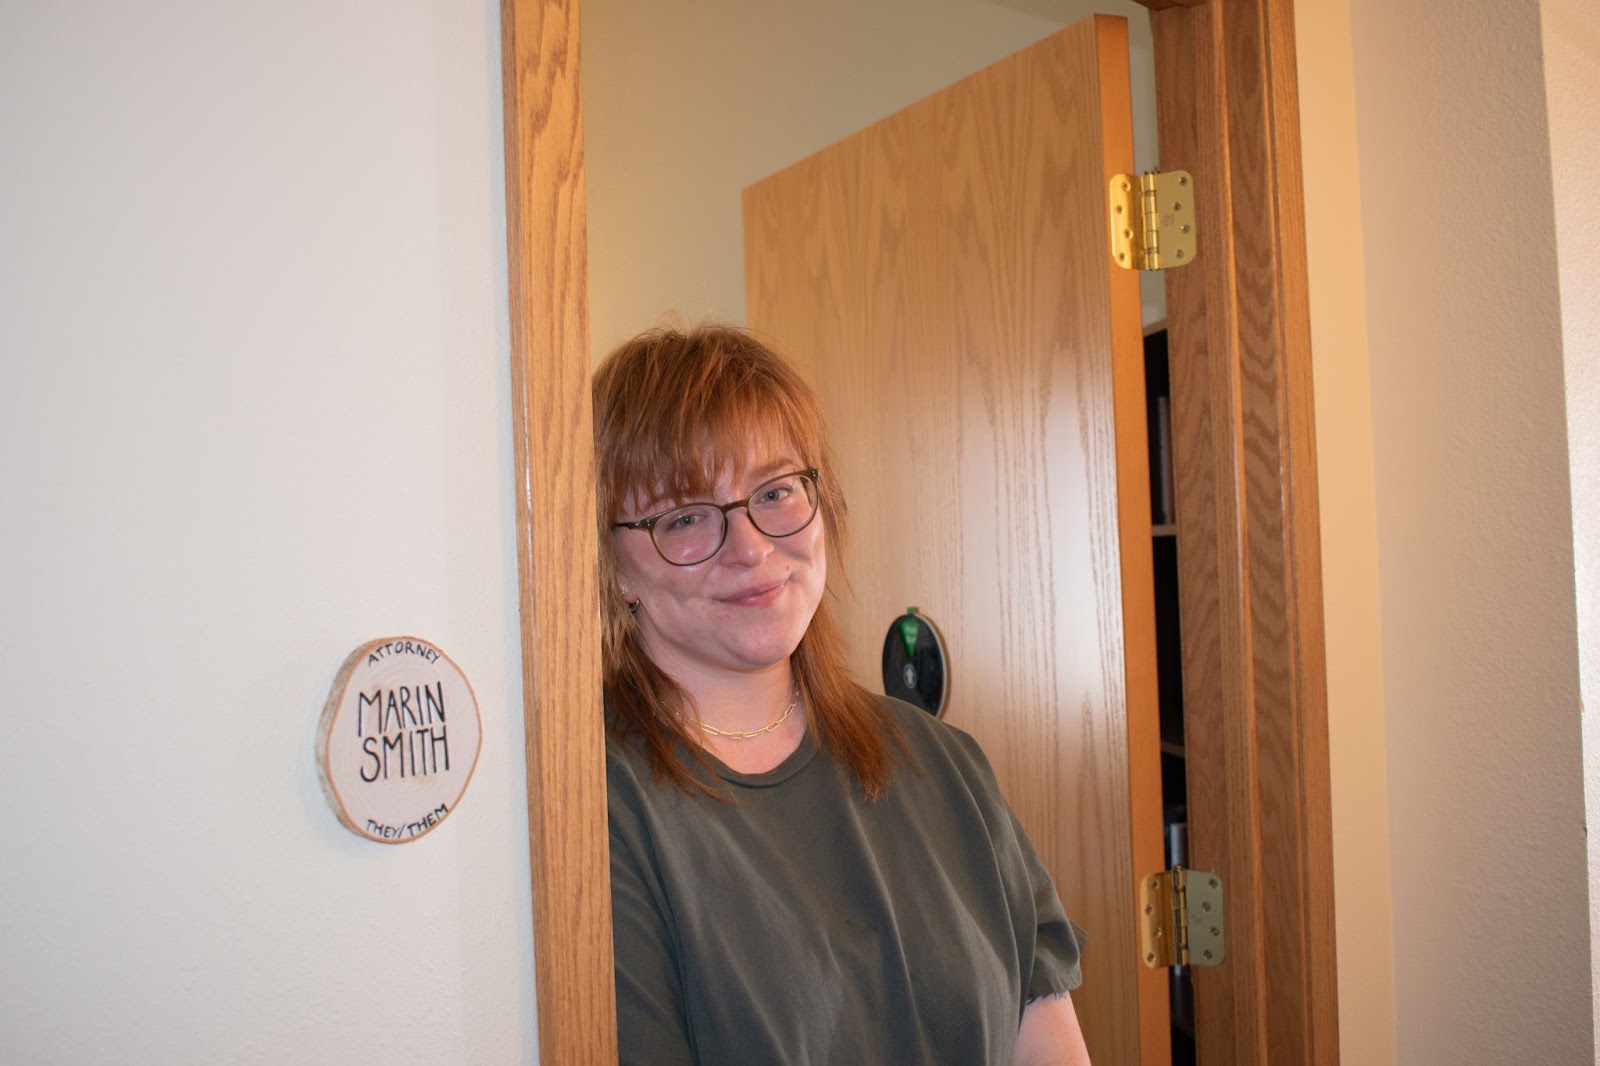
(399, 739)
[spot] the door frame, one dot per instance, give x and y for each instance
(1249, 555)
(1255, 690)
(557, 560)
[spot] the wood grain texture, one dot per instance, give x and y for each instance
(1203, 360)
(944, 278)
(1146, 813)
(1249, 560)
(556, 549)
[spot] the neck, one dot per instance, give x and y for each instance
(742, 702)
(753, 724)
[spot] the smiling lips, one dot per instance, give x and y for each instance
(762, 596)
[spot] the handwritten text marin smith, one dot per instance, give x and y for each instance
(402, 732)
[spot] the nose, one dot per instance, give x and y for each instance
(745, 544)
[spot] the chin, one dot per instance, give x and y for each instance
(769, 652)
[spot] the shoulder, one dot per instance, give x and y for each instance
(925, 733)
(633, 794)
(934, 747)
(625, 761)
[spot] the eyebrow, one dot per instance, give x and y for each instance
(766, 473)
(758, 476)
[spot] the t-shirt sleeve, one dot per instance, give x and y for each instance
(1058, 943)
(651, 1030)
(1048, 943)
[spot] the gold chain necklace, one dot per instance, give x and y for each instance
(734, 734)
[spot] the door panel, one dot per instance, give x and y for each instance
(943, 277)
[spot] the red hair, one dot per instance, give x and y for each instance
(674, 409)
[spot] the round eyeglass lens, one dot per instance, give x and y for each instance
(784, 505)
(689, 534)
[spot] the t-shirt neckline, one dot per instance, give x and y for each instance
(797, 760)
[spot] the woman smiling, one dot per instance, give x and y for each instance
(802, 871)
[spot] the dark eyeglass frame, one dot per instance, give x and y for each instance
(649, 524)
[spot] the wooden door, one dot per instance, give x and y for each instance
(944, 277)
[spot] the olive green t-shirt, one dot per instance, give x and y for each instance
(801, 924)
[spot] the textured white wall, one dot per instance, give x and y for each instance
(254, 411)
(1571, 35)
(688, 101)
(1480, 649)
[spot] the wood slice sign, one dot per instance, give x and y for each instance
(399, 739)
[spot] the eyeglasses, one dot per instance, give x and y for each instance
(695, 532)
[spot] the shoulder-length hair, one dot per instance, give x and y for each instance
(673, 409)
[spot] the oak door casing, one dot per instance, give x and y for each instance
(1249, 559)
(558, 576)
(944, 279)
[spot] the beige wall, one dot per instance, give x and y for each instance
(1466, 747)
(1354, 633)
(1475, 563)
(1571, 40)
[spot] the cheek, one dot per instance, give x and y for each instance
(633, 570)
(623, 571)
(817, 557)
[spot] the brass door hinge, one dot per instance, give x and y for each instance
(1180, 919)
(1152, 220)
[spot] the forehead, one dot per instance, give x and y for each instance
(724, 472)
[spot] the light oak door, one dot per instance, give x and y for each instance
(944, 277)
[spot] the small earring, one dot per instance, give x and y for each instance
(633, 606)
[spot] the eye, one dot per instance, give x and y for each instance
(681, 521)
(692, 522)
(775, 493)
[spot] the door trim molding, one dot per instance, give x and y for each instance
(1249, 555)
(547, 264)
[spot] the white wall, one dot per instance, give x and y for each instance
(1475, 550)
(686, 102)
(254, 411)
(1571, 39)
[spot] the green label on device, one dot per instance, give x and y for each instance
(909, 628)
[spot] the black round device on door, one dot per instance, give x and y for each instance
(913, 663)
